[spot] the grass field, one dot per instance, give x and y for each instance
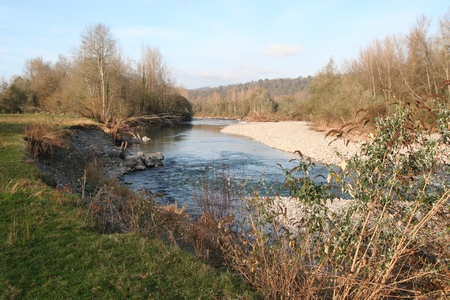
(50, 249)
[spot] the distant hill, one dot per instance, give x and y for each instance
(274, 87)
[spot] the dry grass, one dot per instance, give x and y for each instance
(116, 208)
(46, 131)
(365, 253)
(217, 199)
(390, 243)
(41, 139)
(46, 119)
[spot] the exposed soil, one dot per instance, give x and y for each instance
(86, 145)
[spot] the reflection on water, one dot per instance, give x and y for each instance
(195, 151)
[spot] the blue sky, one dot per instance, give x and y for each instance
(211, 42)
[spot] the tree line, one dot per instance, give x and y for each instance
(405, 66)
(410, 64)
(262, 98)
(96, 80)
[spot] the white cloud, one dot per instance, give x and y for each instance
(282, 50)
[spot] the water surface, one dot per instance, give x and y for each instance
(195, 151)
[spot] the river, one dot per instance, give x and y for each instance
(195, 152)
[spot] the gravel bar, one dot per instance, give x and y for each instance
(291, 136)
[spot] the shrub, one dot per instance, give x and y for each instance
(116, 208)
(216, 200)
(41, 139)
(391, 240)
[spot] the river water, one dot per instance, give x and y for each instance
(197, 151)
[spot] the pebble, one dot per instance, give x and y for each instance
(294, 136)
(291, 136)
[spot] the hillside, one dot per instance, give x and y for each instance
(274, 87)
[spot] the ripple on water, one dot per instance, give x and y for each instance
(195, 153)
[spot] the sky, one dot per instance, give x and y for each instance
(211, 42)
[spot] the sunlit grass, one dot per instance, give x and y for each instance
(63, 120)
(50, 247)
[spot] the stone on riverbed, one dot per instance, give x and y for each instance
(148, 161)
(131, 160)
(156, 162)
(141, 161)
(158, 155)
(140, 166)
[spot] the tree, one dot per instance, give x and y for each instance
(443, 56)
(95, 59)
(156, 80)
(178, 105)
(335, 97)
(45, 82)
(61, 100)
(14, 96)
(260, 102)
(420, 58)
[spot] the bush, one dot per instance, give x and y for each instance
(391, 240)
(41, 139)
(117, 209)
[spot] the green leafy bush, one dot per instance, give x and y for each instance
(389, 240)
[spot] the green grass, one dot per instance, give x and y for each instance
(49, 248)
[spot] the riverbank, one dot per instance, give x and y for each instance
(52, 246)
(87, 147)
(291, 136)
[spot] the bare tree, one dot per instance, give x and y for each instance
(95, 58)
(157, 81)
(443, 56)
(420, 57)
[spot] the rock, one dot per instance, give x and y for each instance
(140, 166)
(148, 161)
(140, 161)
(156, 161)
(132, 160)
(114, 153)
(123, 154)
(158, 155)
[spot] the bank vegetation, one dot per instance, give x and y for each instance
(390, 242)
(96, 80)
(413, 64)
